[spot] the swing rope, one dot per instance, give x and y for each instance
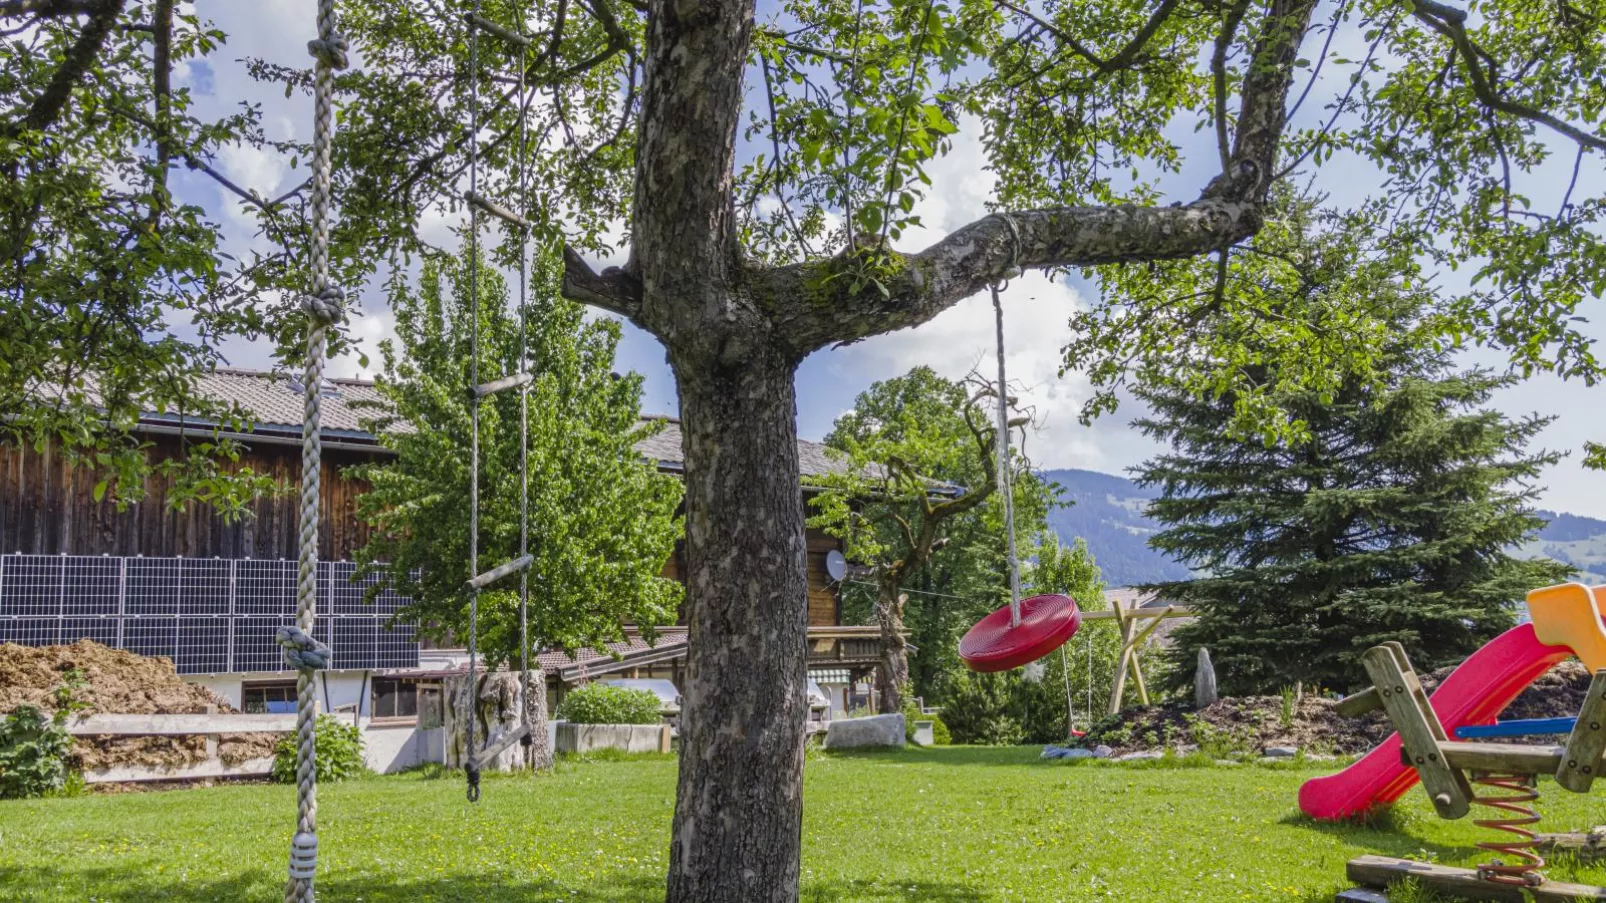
(323, 307)
(1005, 479)
(471, 769)
(518, 378)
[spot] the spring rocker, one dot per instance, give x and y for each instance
(1462, 772)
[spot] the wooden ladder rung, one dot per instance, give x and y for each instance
(489, 754)
(502, 385)
(500, 571)
(497, 210)
(501, 31)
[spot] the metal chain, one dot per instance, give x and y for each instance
(323, 307)
(471, 768)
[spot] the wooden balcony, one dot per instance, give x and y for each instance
(844, 646)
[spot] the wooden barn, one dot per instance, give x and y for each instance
(48, 510)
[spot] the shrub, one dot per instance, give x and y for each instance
(33, 753)
(912, 713)
(979, 708)
(607, 704)
(34, 749)
(339, 753)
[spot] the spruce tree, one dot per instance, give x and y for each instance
(1389, 518)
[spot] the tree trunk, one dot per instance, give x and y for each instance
(739, 807)
(538, 754)
(892, 674)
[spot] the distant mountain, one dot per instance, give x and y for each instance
(1108, 513)
(1571, 539)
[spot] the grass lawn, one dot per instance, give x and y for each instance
(930, 825)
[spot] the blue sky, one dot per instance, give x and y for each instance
(1036, 309)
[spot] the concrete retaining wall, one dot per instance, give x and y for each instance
(581, 738)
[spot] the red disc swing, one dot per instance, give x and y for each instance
(1025, 630)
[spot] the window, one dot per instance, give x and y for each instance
(277, 698)
(407, 697)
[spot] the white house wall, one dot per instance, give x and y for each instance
(387, 747)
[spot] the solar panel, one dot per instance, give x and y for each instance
(30, 631)
(204, 586)
(31, 585)
(265, 588)
(153, 635)
(152, 586)
(207, 615)
(345, 597)
(203, 645)
(90, 586)
(102, 630)
(398, 648)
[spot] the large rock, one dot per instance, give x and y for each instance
(876, 730)
(1204, 681)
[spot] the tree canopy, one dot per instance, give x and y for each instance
(1390, 520)
(920, 456)
(602, 519)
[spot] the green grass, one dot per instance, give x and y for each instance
(952, 824)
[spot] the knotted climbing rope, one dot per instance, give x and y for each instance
(322, 305)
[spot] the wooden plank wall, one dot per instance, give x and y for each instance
(47, 507)
(824, 609)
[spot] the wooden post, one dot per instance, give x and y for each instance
(1119, 686)
(1419, 728)
(1581, 765)
(1137, 664)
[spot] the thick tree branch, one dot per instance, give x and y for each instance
(612, 290)
(917, 287)
(48, 9)
(48, 106)
(1451, 23)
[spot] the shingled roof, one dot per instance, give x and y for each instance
(665, 449)
(274, 401)
(632, 653)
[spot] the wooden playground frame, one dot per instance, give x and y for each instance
(1132, 640)
(1449, 769)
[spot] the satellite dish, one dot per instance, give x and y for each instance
(836, 564)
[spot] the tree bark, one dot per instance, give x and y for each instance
(538, 754)
(892, 674)
(739, 806)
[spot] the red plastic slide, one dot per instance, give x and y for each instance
(1474, 693)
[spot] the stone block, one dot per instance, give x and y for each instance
(875, 730)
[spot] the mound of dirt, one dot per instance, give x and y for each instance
(1241, 725)
(1249, 724)
(122, 683)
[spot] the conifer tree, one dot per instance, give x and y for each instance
(1389, 518)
